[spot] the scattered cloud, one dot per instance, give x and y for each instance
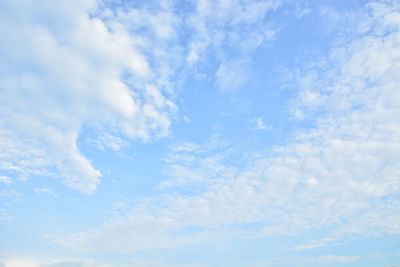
(318, 244)
(231, 74)
(341, 174)
(5, 180)
(45, 191)
(5, 217)
(91, 73)
(257, 124)
(87, 68)
(332, 259)
(235, 26)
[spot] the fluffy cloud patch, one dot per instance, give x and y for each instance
(64, 67)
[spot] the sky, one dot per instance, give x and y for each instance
(204, 133)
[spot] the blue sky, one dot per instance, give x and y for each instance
(199, 133)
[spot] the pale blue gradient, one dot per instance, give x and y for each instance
(272, 138)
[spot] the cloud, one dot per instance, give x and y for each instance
(130, 234)
(8, 195)
(318, 243)
(224, 28)
(68, 67)
(340, 175)
(258, 124)
(45, 191)
(231, 74)
(5, 180)
(332, 259)
(324, 259)
(20, 263)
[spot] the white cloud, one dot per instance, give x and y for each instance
(236, 26)
(317, 244)
(70, 68)
(61, 69)
(342, 174)
(45, 191)
(332, 259)
(130, 233)
(5, 180)
(258, 124)
(8, 196)
(4, 217)
(104, 139)
(21, 263)
(324, 259)
(231, 74)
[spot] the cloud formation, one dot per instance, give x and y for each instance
(65, 67)
(111, 70)
(341, 174)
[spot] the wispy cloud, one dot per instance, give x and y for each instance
(45, 191)
(258, 124)
(5, 180)
(324, 259)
